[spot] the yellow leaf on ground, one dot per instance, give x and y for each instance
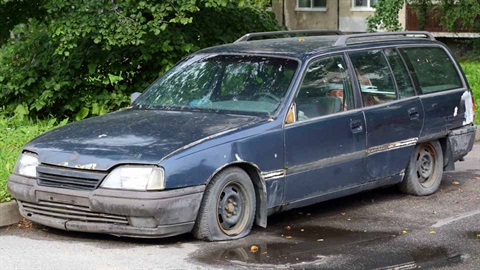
(455, 183)
(404, 232)
(433, 232)
(253, 249)
(288, 236)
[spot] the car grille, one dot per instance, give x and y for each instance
(78, 179)
(70, 212)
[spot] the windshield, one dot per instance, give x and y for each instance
(254, 84)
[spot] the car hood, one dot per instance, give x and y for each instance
(129, 137)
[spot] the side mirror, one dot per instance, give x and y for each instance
(134, 96)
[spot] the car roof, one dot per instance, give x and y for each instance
(295, 47)
(307, 46)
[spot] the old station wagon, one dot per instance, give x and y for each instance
(237, 132)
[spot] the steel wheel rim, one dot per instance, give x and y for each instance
(426, 163)
(233, 208)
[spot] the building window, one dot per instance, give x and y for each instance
(311, 5)
(364, 5)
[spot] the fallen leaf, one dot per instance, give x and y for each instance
(253, 249)
(455, 183)
(319, 240)
(404, 232)
(289, 237)
(343, 214)
(302, 230)
(288, 228)
(433, 232)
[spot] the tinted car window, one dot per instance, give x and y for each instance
(222, 83)
(325, 89)
(374, 77)
(433, 68)
(404, 84)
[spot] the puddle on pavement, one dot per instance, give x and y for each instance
(321, 247)
(297, 248)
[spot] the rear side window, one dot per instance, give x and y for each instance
(374, 77)
(433, 68)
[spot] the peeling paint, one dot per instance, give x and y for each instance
(469, 113)
(238, 157)
(391, 146)
(273, 174)
(90, 166)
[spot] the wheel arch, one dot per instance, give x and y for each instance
(254, 173)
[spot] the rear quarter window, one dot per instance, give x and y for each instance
(433, 68)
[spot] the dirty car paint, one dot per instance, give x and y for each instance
(129, 137)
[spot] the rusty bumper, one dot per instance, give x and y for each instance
(118, 212)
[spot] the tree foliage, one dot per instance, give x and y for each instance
(386, 16)
(453, 14)
(83, 58)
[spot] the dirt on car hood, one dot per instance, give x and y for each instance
(129, 137)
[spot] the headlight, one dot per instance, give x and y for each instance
(27, 165)
(136, 178)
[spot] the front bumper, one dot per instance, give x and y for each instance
(118, 212)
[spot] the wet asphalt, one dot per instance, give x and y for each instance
(380, 229)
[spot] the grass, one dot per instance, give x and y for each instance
(472, 71)
(15, 133)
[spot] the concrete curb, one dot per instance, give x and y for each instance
(477, 136)
(9, 213)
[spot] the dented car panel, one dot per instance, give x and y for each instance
(348, 132)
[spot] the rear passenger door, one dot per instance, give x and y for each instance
(393, 113)
(325, 147)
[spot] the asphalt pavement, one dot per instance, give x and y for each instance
(380, 229)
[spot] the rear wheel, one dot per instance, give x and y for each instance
(424, 171)
(228, 207)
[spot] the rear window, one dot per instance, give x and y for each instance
(433, 68)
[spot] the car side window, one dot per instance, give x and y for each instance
(326, 89)
(404, 83)
(433, 68)
(374, 77)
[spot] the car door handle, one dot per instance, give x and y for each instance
(413, 113)
(356, 126)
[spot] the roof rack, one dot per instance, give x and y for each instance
(342, 41)
(248, 36)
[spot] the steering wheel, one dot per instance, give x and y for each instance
(267, 95)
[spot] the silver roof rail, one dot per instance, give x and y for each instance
(342, 40)
(248, 36)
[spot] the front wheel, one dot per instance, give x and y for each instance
(228, 207)
(424, 171)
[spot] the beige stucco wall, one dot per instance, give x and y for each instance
(306, 19)
(353, 20)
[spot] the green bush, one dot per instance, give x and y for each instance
(85, 58)
(16, 132)
(472, 71)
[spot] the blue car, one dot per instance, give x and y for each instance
(235, 133)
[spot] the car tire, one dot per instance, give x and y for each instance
(424, 171)
(228, 207)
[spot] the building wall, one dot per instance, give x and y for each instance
(297, 20)
(353, 20)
